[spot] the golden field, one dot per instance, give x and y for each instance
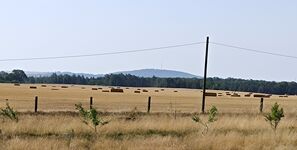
(239, 126)
(55, 98)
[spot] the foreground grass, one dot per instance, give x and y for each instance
(155, 131)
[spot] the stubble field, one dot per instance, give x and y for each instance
(168, 126)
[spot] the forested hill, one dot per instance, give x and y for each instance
(18, 76)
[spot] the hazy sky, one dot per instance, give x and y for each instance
(42, 28)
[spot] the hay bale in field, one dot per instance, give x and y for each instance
(175, 91)
(17, 84)
(144, 90)
(136, 91)
(262, 95)
(247, 95)
(54, 89)
(43, 85)
(285, 96)
(117, 90)
(235, 95)
(139, 89)
(64, 87)
(127, 88)
(83, 88)
(33, 87)
(156, 90)
(94, 89)
(228, 94)
(162, 89)
(100, 88)
(105, 90)
(211, 94)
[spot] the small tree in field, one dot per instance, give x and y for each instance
(275, 116)
(9, 113)
(212, 117)
(90, 117)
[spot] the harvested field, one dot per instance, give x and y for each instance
(168, 126)
(186, 100)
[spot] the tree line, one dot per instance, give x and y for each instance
(230, 84)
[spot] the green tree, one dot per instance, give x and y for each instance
(90, 117)
(275, 116)
(212, 117)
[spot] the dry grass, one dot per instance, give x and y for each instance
(155, 131)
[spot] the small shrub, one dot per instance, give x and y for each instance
(212, 117)
(9, 113)
(275, 116)
(90, 117)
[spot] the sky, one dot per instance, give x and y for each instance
(47, 28)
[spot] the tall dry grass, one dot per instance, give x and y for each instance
(155, 131)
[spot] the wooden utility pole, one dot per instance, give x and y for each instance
(205, 74)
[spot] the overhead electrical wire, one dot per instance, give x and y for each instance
(101, 54)
(253, 50)
(148, 49)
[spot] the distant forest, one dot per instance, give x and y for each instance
(230, 84)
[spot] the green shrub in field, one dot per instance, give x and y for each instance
(90, 117)
(9, 113)
(212, 117)
(275, 116)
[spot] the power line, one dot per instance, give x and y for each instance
(254, 50)
(102, 54)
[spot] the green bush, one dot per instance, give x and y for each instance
(90, 117)
(212, 117)
(9, 113)
(275, 116)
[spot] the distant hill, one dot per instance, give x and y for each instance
(159, 73)
(140, 73)
(47, 74)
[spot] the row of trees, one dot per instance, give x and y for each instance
(18, 76)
